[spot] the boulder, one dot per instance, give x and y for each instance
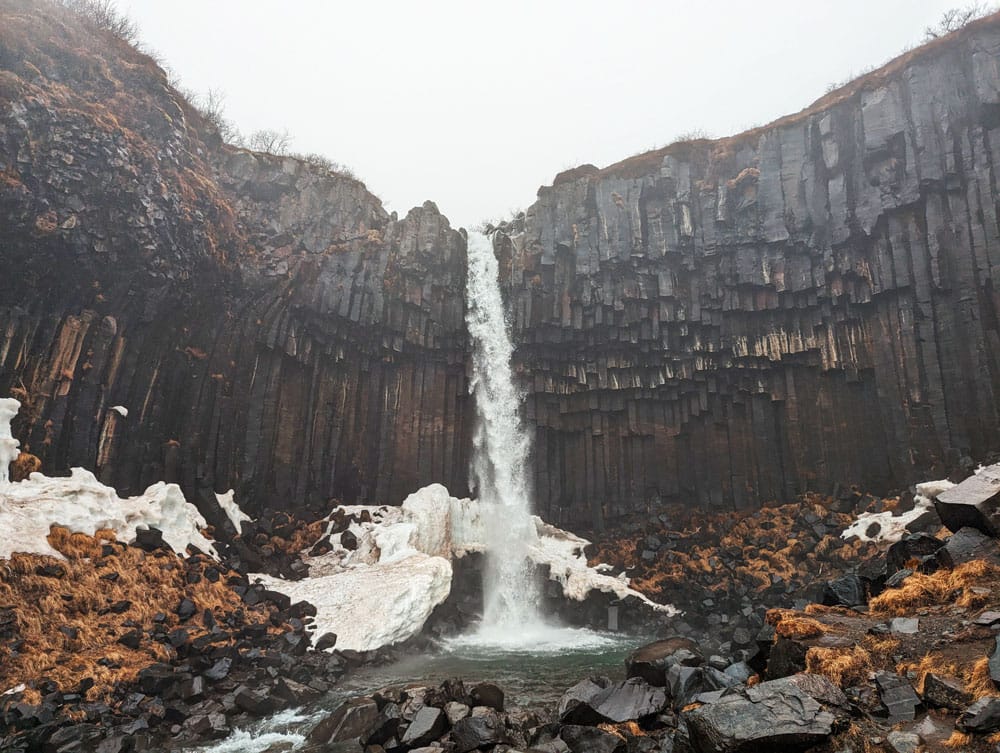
(772, 715)
(478, 731)
(684, 683)
(898, 698)
(583, 739)
(428, 725)
(487, 694)
(651, 662)
(598, 700)
(974, 503)
(904, 742)
(351, 720)
(847, 591)
(456, 712)
(916, 546)
(981, 717)
(965, 545)
(942, 691)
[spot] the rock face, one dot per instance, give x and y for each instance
(265, 324)
(717, 322)
(807, 303)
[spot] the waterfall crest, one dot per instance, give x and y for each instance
(501, 449)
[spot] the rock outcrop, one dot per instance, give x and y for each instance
(805, 304)
(175, 308)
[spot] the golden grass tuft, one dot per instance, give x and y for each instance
(851, 666)
(921, 590)
(844, 667)
(958, 740)
(790, 624)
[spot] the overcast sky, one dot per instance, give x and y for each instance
(475, 107)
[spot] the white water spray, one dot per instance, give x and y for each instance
(501, 447)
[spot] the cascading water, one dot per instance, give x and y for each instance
(501, 448)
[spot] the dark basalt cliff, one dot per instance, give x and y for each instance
(718, 322)
(809, 303)
(267, 325)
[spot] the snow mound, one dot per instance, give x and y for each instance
(236, 516)
(8, 445)
(892, 528)
(382, 590)
(83, 504)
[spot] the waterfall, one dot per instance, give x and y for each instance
(501, 447)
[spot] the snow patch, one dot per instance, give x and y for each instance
(83, 504)
(8, 445)
(236, 516)
(892, 528)
(383, 591)
(121, 410)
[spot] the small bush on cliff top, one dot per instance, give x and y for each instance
(104, 15)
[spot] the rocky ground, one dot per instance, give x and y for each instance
(844, 646)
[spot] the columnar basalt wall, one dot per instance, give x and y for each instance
(173, 308)
(811, 303)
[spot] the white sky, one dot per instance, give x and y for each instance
(475, 106)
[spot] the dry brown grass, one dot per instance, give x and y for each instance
(952, 587)
(24, 466)
(154, 583)
(852, 666)
(790, 624)
(842, 666)
(958, 740)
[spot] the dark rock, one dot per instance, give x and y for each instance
(965, 545)
(597, 700)
(256, 702)
(987, 618)
(132, 639)
(898, 698)
(186, 609)
(386, 726)
(156, 678)
(150, 539)
(581, 739)
(478, 731)
(874, 572)
(428, 725)
(974, 503)
(915, 546)
(684, 683)
(50, 571)
(349, 541)
(487, 694)
(293, 692)
(941, 691)
(904, 742)
(994, 662)
(219, 670)
(848, 591)
(353, 719)
(178, 637)
(898, 578)
(981, 717)
(771, 715)
(651, 662)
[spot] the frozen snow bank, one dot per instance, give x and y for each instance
(228, 504)
(891, 527)
(83, 504)
(383, 590)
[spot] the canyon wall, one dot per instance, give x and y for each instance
(804, 305)
(718, 323)
(263, 321)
